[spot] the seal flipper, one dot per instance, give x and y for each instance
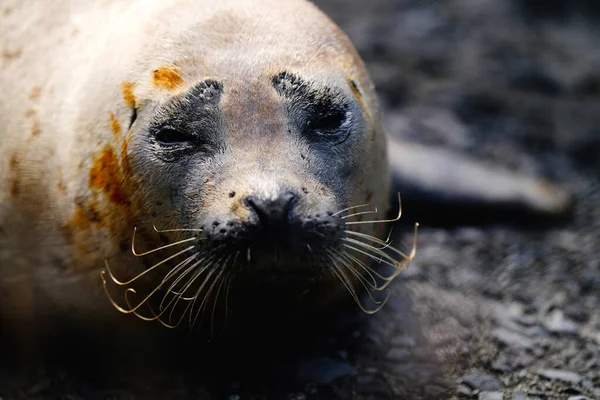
(440, 186)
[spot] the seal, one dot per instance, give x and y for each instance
(170, 154)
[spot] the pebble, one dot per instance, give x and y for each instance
(579, 398)
(479, 380)
(556, 322)
(560, 375)
(490, 396)
(520, 395)
(512, 339)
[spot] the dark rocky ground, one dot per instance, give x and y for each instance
(497, 311)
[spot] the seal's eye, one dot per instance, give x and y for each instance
(171, 136)
(326, 121)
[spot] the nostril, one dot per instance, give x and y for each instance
(272, 211)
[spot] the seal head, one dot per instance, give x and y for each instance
(251, 148)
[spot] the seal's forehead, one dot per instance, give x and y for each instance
(229, 36)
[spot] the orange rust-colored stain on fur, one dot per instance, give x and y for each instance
(35, 92)
(106, 176)
(128, 96)
(35, 129)
(85, 216)
(167, 77)
(14, 162)
(115, 126)
(15, 187)
(61, 186)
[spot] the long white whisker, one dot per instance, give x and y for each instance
(381, 221)
(176, 230)
(135, 253)
(349, 208)
(360, 213)
(118, 282)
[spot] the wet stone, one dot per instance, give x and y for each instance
(556, 322)
(479, 380)
(520, 395)
(512, 339)
(490, 396)
(560, 375)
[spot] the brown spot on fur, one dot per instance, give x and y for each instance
(106, 176)
(35, 130)
(61, 186)
(11, 53)
(115, 126)
(15, 187)
(128, 96)
(369, 196)
(35, 92)
(167, 78)
(125, 160)
(85, 216)
(14, 162)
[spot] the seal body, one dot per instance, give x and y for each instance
(241, 130)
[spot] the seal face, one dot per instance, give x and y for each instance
(265, 198)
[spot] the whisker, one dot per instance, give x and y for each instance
(381, 242)
(171, 289)
(179, 267)
(230, 277)
(176, 230)
(190, 300)
(336, 270)
(381, 221)
(206, 296)
(129, 290)
(212, 316)
(135, 253)
(374, 250)
(359, 213)
(366, 268)
(118, 282)
(360, 278)
(349, 208)
(177, 297)
(369, 270)
(396, 265)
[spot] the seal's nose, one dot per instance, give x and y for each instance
(272, 212)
